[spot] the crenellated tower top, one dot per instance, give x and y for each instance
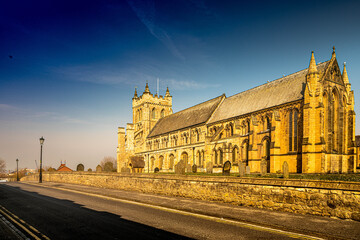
(147, 110)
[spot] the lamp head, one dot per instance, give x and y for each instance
(42, 139)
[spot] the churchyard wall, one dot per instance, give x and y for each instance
(324, 198)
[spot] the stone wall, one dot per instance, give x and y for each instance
(325, 198)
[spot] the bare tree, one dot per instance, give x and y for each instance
(109, 164)
(2, 166)
(47, 168)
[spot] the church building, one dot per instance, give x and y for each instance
(306, 119)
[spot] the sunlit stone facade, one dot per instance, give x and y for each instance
(306, 119)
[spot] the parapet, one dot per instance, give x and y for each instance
(121, 130)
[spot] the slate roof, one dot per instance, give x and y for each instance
(357, 141)
(283, 90)
(188, 117)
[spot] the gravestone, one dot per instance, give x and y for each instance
(209, 167)
(247, 170)
(285, 169)
(194, 168)
(188, 168)
(89, 170)
(156, 170)
(125, 170)
(98, 168)
(242, 169)
(263, 167)
(80, 167)
(180, 167)
(226, 168)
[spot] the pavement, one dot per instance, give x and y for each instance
(323, 227)
(6, 232)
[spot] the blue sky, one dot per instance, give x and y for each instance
(75, 64)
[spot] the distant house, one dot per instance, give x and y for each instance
(63, 168)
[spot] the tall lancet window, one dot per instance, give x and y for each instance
(295, 125)
(293, 130)
(153, 113)
(290, 131)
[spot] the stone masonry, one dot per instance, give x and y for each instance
(324, 198)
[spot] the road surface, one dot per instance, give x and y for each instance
(61, 214)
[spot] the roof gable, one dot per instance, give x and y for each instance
(63, 168)
(332, 72)
(188, 117)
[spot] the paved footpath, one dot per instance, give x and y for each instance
(306, 224)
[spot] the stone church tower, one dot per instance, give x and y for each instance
(328, 129)
(147, 109)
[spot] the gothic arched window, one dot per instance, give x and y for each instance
(215, 157)
(162, 113)
(221, 156)
(268, 123)
(184, 156)
(198, 155)
(326, 120)
(153, 113)
(235, 153)
(231, 130)
(290, 130)
(161, 162)
(293, 130)
(245, 152)
(171, 161)
(248, 127)
(335, 121)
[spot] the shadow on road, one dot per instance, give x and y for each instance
(64, 219)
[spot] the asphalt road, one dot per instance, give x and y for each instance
(62, 214)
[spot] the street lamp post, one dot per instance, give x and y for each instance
(41, 145)
(17, 169)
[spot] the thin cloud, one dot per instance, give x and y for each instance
(10, 112)
(145, 11)
(7, 107)
(101, 75)
(131, 77)
(184, 84)
(201, 5)
(58, 117)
